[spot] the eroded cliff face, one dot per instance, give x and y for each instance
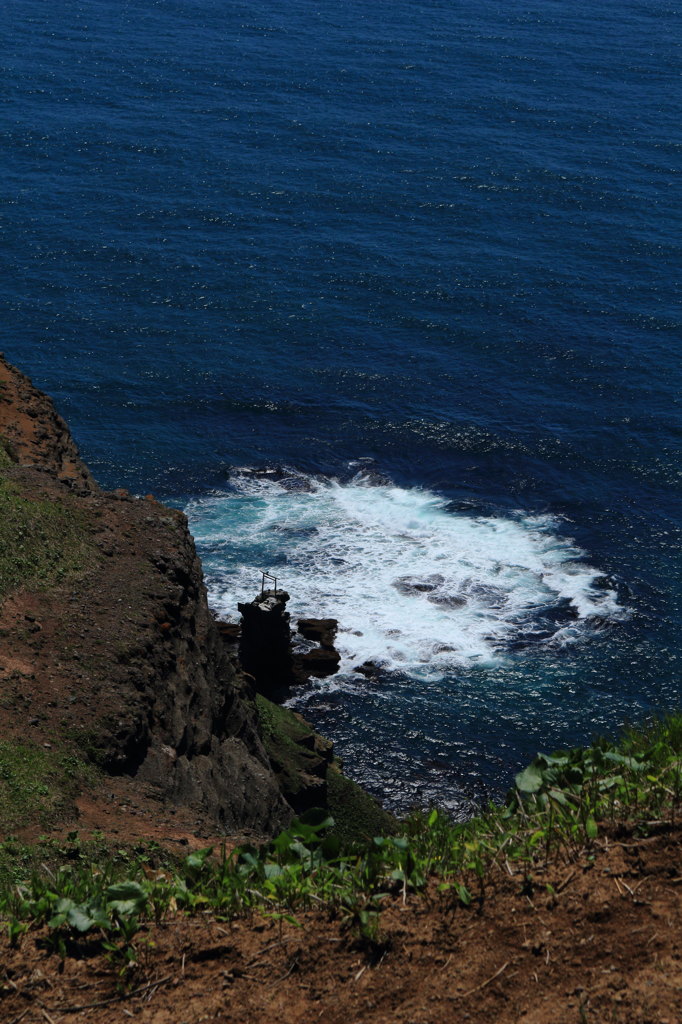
(36, 433)
(112, 651)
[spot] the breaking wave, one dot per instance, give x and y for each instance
(416, 587)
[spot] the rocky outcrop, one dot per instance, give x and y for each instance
(35, 434)
(265, 645)
(265, 642)
(322, 660)
(123, 661)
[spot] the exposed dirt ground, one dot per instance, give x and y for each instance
(604, 948)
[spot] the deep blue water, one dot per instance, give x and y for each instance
(441, 236)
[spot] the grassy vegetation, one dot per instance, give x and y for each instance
(37, 784)
(296, 751)
(356, 814)
(20, 860)
(555, 814)
(6, 454)
(289, 744)
(41, 541)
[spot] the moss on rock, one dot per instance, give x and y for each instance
(356, 814)
(309, 775)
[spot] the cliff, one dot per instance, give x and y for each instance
(109, 655)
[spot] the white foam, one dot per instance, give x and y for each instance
(415, 587)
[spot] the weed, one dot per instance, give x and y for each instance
(557, 808)
(41, 541)
(36, 783)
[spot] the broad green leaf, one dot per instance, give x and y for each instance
(125, 891)
(463, 894)
(124, 907)
(196, 860)
(79, 919)
(530, 780)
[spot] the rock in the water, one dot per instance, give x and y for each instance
(447, 600)
(413, 585)
(265, 642)
(323, 660)
(319, 662)
(368, 669)
(322, 631)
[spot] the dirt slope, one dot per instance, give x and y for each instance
(604, 948)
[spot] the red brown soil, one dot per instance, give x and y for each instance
(604, 948)
(36, 432)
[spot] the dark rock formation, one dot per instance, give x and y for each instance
(447, 600)
(412, 585)
(322, 631)
(265, 647)
(265, 643)
(318, 662)
(369, 669)
(230, 632)
(323, 660)
(128, 668)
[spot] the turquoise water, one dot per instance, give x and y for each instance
(424, 259)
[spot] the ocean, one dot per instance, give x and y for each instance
(385, 297)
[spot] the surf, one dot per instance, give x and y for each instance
(416, 587)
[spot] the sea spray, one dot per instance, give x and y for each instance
(416, 587)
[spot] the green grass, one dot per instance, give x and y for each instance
(295, 750)
(5, 453)
(41, 541)
(556, 813)
(48, 855)
(37, 785)
(290, 745)
(356, 814)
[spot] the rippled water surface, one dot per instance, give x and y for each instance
(419, 260)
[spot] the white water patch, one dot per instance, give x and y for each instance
(415, 587)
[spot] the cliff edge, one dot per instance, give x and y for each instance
(115, 687)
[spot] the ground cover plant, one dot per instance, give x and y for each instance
(41, 540)
(37, 783)
(559, 809)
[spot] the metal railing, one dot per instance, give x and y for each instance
(269, 576)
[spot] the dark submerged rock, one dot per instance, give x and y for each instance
(413, 585)
(447, 600)
(369, 669)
